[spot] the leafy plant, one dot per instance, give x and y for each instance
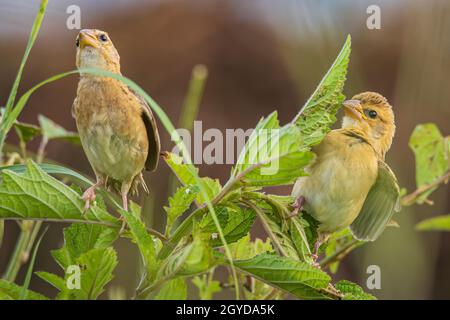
(208, 225)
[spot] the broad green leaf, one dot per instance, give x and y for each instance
(26, 131)
(429, 149)
(180, 202)
(97, 267)
(352, 291)
(145, 243)
(281, 241)
(80, 238)
(272, 155)
(298, 278)
(50, 169)
(319, 112)
(206, 286)
(12, 291)
(34, 194)
(439, 223)
(175, 289)
(51, 130)
(189, 258)
(299, 238)
(235, 222)
(246, 249)
(186, 176)
(60, 171)
(56, 281)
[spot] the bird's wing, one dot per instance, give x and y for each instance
(154, 144)
(380, 204)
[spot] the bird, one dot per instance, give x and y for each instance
(117, 129)
(349, 184)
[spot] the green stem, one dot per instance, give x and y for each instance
(339, 254)
(183, 229)
(16, 259)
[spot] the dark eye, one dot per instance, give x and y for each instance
(77, 42)
(372, 114)
(103, 37)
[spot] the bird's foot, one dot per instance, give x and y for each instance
(314, 257)
(88, 197)
(297, 206)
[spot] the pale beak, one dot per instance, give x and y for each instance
(353, 109)
(87, 40)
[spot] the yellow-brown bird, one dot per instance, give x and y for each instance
(117, 128)
(349, 184)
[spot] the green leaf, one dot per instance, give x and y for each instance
(246, 249)
(206, 286)
(145, 243)
(186, 174)
(180, 202)
(189, 259)
(319, 112)
(281, 241)
(51, 130)
(299, 237)
(81, 238)
(298, 278)
(26, 131)
(272, 155)
(97, 266)
(439, 223)
(429, 149)
(235, 222)
(352, 291)
(12, 291)
(56, 281)
(175, 289)
(36, 195)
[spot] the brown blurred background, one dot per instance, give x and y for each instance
(261, 56)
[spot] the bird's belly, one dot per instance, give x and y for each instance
(337, 187)
(112, 154)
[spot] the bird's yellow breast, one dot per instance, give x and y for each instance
(339, 180)
(111, 129)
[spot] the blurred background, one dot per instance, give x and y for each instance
(261, 56)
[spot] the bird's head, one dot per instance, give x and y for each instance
(371, 113)
(96, 50)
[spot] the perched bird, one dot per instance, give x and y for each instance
(349, 184)
(117, 128)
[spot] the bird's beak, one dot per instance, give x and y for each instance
(87, 39)
(353, 109)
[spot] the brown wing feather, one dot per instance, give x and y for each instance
(154, 144)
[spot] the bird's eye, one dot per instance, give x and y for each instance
(103, 37)
(77, 42)
(372, 114)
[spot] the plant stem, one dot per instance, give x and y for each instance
(183, 229)
(16, 259)
(340, 254)
(411, 198)
(266, 227)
